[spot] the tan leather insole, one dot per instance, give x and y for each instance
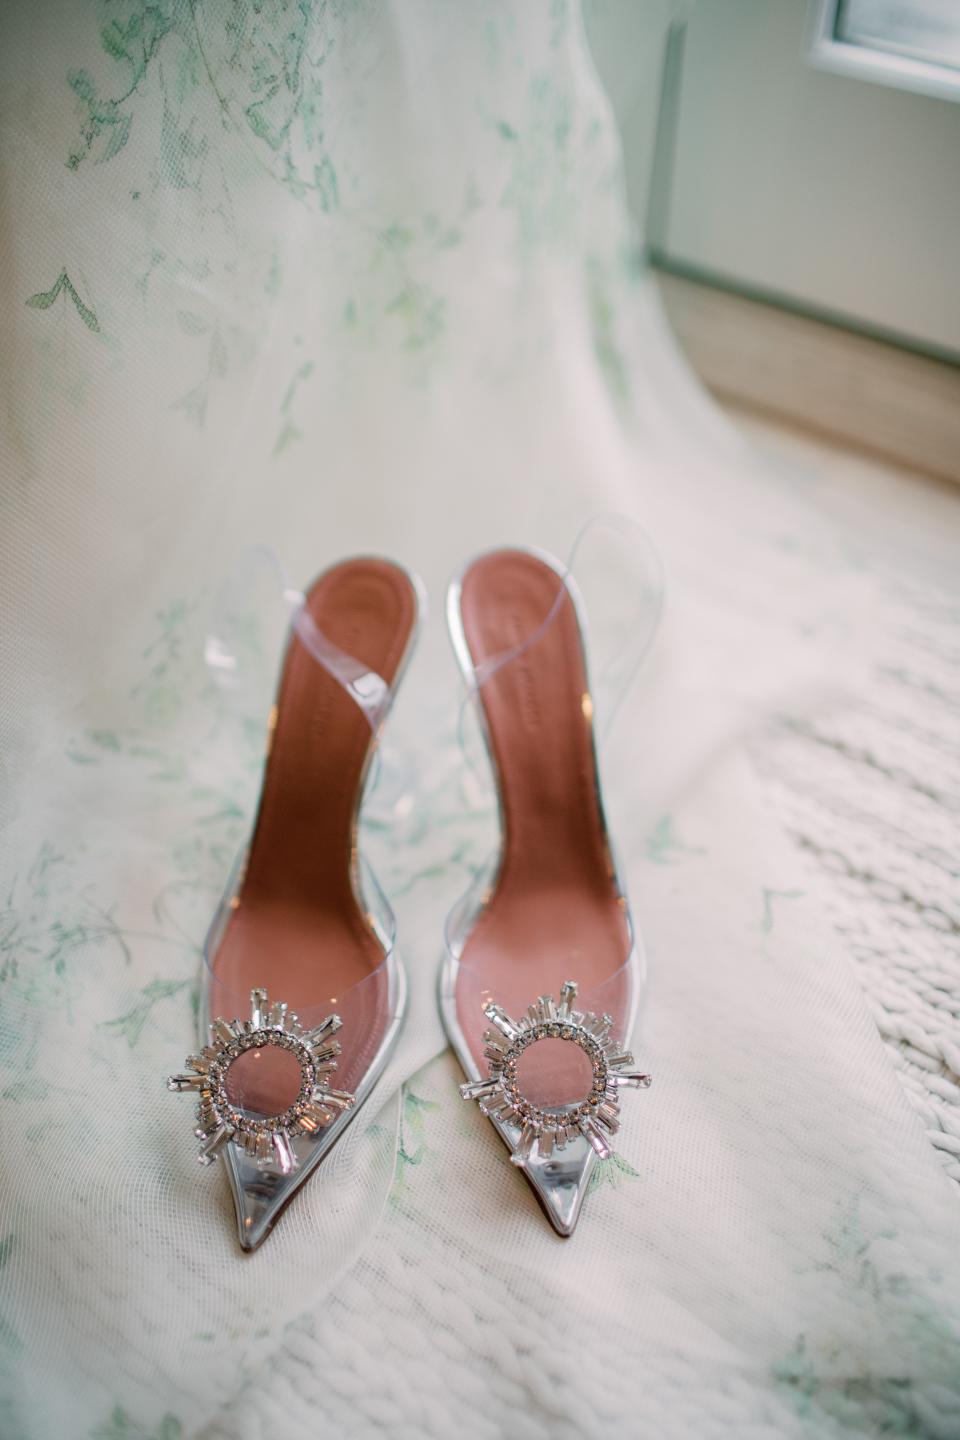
(298, 930)
(555, 914)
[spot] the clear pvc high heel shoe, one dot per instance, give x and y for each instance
(543, 971)
(303, 990)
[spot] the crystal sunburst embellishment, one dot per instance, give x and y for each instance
(222, 1117)
(543, 1129)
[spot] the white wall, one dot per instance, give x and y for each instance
(834, 193)
(825, 189)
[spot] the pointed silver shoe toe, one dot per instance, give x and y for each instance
(556, 1145)
(269, 1157)
(261, 1194)
(561, 1182)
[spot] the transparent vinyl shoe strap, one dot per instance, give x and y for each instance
(251, 602)
(254, 613)
(614, 575)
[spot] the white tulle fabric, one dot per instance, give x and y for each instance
(358, 278)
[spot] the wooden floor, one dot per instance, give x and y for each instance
(854, 389)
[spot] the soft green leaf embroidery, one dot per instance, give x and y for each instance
(796, 1371)
(768, 898)
(191, 323)
(131, 1024)
(106, 739)
(325, 181)
(26, 1092)
(853, 1260)
(45, 298)
(423, 315)
(289, 430)
(272, 283)
(162, 686)
(44, 867)
(117, 136)
(122, 1426)
(93, 928)
(281, 73)
(397, 237)
(606, 345)
(82, 85)
(413, 1146)
(616, 1172)
(887, 1400)
(261, 127)
(663, 846)
(193, 404)
(105, 127)
(113, 40)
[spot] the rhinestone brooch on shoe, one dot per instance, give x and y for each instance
(265, 1138)
(542, 1130)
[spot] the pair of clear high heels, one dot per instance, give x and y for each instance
(303, 989)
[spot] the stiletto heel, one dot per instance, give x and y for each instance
(303, 990)
(543, 971)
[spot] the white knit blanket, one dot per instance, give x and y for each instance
(870, 789)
